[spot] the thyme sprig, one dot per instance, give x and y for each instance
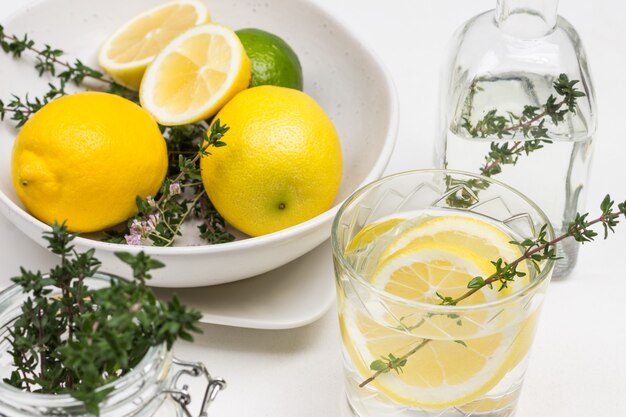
(48, 60)
(86, 338)
(530, 124)
(535, 251)
(160, 222)
(159, 219)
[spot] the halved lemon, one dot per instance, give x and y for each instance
(465, 355)
(195, 75)
(126, 54)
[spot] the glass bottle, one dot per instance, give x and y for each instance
(505, 60)
(149, 390)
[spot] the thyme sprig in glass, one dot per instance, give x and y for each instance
(534, 251)
(158, 222)
(529, 125)
(87, 338)
(527, 129)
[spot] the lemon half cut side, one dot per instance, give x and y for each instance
(195, 75)
(126, 54)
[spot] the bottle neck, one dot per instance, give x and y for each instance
(526, 19)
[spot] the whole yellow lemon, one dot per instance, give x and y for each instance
(281, 165)
(84, 158)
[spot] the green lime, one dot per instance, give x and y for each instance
(273, 60)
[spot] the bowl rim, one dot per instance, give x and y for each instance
(374, 173)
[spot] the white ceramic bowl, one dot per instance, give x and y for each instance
(339, 72)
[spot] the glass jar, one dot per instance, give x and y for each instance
(503, 61)
(149, 390)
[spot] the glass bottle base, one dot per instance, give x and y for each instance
(567, 250)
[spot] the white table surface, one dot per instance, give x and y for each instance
(578, 366)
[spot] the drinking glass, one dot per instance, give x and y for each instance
(459, 360)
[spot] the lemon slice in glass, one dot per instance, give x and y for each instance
(195, 75)
(471, 233)
(126, 54)
(464, 357)
(468, 232)
(370, 233)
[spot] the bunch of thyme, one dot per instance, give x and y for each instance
(84, 339)
(159, 219)
(534, 251)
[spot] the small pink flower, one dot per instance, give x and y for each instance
(175, 188)
(136, 228)
(139, 230)
(151, 201)
(133, 239)
(151, 223)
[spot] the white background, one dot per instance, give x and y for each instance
(578, 366)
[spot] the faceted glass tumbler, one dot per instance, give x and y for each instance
(369, 315)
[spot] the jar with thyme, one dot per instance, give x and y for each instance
(151, 389)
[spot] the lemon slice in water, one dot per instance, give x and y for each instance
(464, 357)
(468, 232)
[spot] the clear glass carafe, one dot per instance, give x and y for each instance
(504, 60)
(149, 390)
